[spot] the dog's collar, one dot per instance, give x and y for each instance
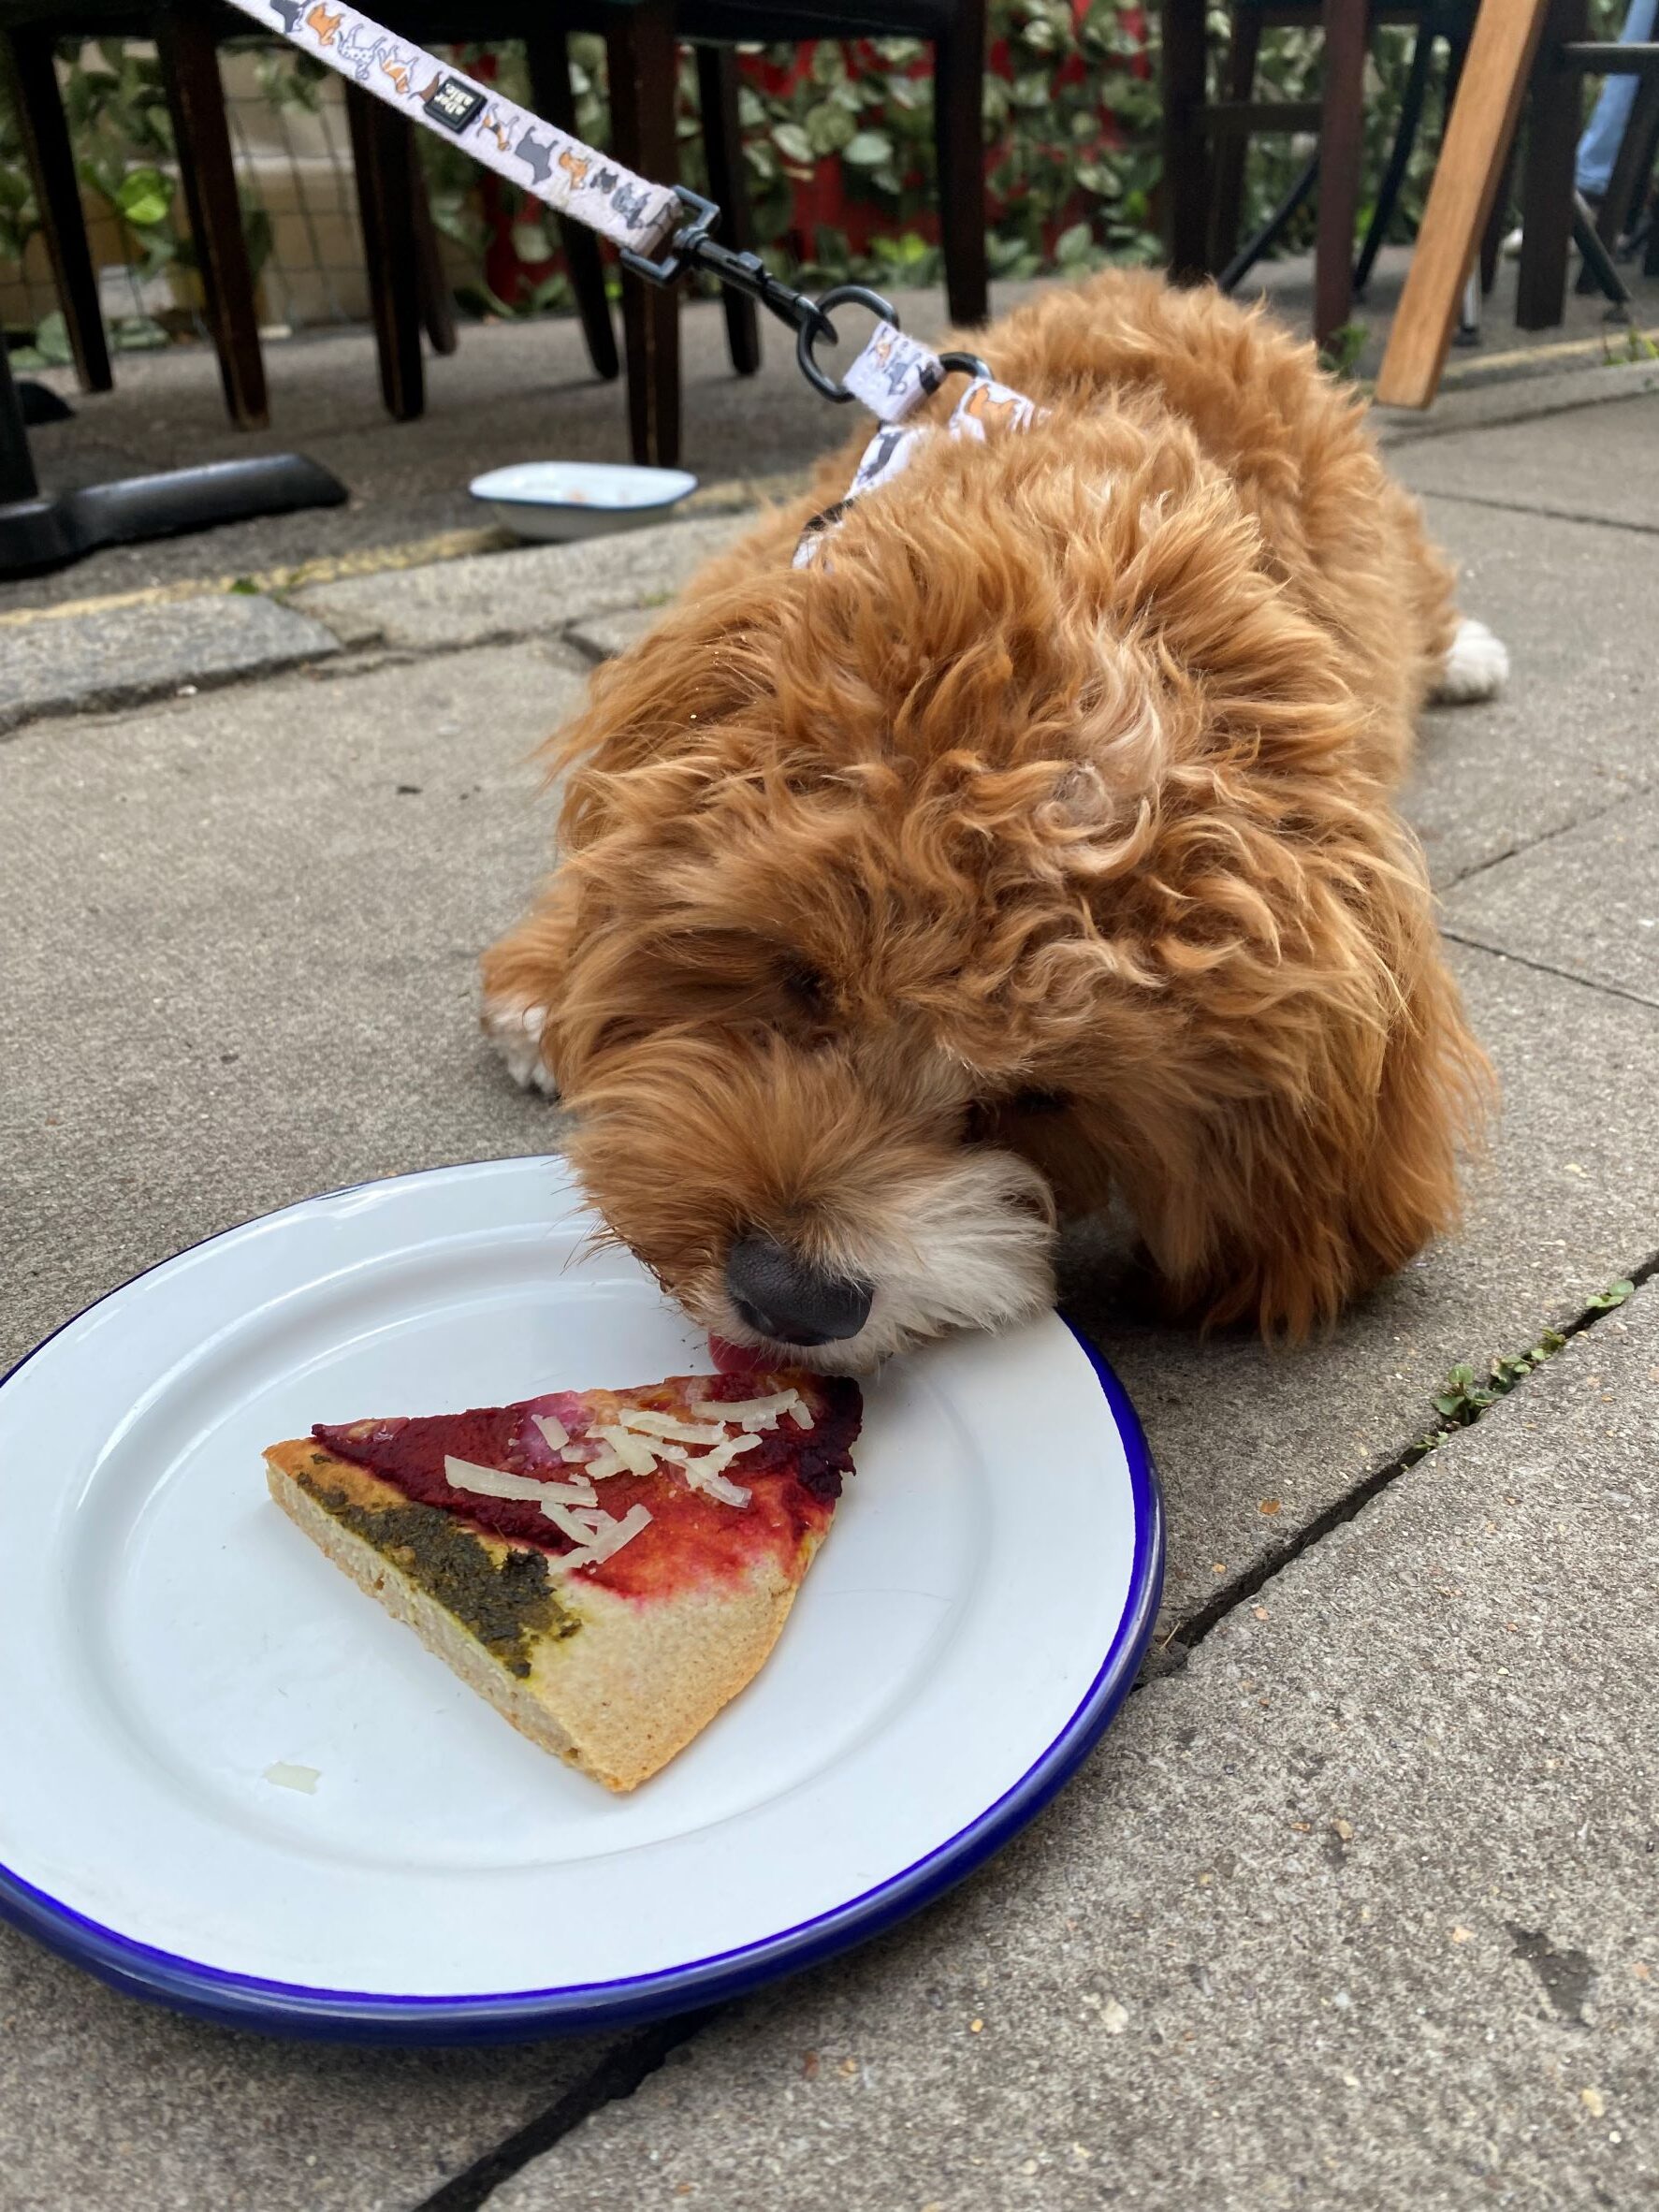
(892, 375)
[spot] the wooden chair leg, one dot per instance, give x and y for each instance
(383, 158)
(722, 152)
(554, 97)
(1186, 145)
(57, 195)
(1478, 134)
(201, 138)
(437, 308)
(1387, 193)
(1227, 211)
(641, 53)
(1557, 119)
(1342, 136)
(959, 139)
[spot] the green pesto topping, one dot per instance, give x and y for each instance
(506, 1605)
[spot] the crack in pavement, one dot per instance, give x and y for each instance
(1191, 1632)
(1476, 499)
(623, 2070)
(1563, 829)
(1567, 975)
(616, 2075)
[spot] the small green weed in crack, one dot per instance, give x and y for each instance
(1464, 1400)
(1636, 346)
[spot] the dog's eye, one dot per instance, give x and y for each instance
(1040, 1102)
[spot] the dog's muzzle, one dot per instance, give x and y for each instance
(783, 1296)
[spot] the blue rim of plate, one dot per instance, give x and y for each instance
(344, 2015)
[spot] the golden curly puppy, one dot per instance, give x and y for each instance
(1034, 847)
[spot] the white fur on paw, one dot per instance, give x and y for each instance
(1476, 667)
(515, 1032)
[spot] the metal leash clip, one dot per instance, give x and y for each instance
(693, 247)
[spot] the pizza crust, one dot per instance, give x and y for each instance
(616, 1699)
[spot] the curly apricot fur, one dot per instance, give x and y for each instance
(1070, 769)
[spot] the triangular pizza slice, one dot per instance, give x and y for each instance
(607, 1568)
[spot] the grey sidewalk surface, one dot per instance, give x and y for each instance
(1361, 1909)
(1320, 1923)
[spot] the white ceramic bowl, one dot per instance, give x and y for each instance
(565, 499)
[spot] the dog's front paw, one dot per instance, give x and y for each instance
(1476, 667)
(515, 1032)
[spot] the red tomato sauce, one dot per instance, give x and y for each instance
(793, 1474)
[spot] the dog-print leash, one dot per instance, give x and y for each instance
(892, 376)
(648, 222)
(550, 164)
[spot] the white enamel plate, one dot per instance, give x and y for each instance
(179, 1657)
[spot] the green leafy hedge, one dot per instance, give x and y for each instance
(838, 145)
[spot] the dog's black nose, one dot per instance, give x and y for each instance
(788, 1299)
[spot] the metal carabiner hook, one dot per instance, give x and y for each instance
(807, 336)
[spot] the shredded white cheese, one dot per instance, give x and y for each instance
(604, 1462)
(564, 1520)
(667, 1424)
(605, 1543)
(708, 1471)
(289, 1777)
(715, 1485)
(637, 1457)
(490, 1482)
(758, 1413)
(570, 1494)
(554, 1432)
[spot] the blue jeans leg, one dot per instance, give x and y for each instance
(1598, 148)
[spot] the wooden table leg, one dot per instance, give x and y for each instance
(1342, 136)
(201, 138)
(57, 195)
(722, 155)
(1187, 150)
(383, 157)
(554, 97)
(1477, 135)
(1554, 123)
(644, 68)
(437, 307)
(959, 145)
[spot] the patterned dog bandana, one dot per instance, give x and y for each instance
(891, 376)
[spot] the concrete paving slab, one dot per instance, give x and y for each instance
(1573, 734)
(533, 592)
(1358, 1910)
(108, 2105)
(241, 938)
(602, 636)
(1586, 902)
(1253, 1444)
(125, 654)
(1527, 396)
(1607, 469)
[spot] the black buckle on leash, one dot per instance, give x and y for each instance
(693, 246)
